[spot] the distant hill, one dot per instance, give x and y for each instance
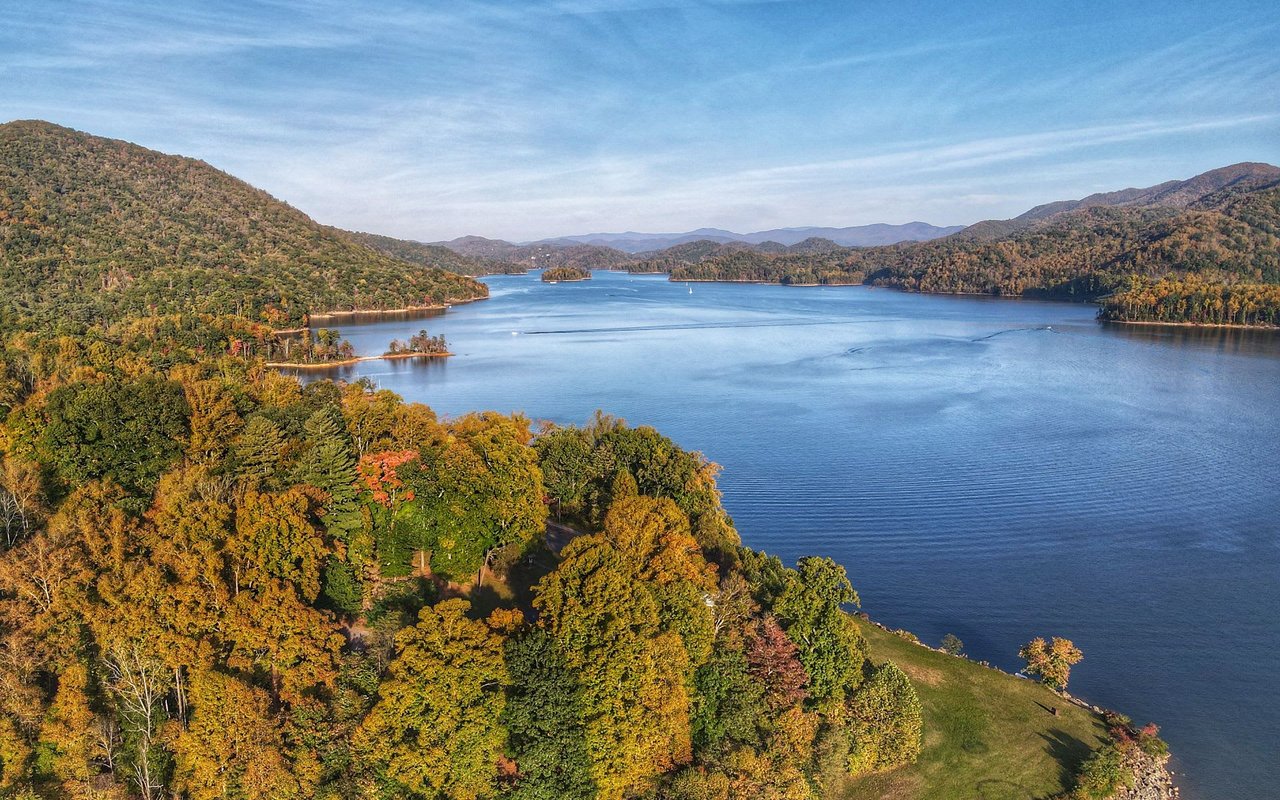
(539, 255)
(431, 255)
(95, 230)
(1222, 226)
(856, 236)
(1192, 192)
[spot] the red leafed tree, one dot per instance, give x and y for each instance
(772, 659)
(379, 472)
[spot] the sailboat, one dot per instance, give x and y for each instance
(690, 288)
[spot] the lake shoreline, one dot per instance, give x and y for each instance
(1222, 325)
(346, 362)
(356, 315)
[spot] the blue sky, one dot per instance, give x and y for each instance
(430, 120)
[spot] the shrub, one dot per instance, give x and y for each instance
(885, 723)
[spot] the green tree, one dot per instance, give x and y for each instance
(545, 724)
(329, 464)
(258, 450)
(129, 431)
(884, 722)
(831, 648)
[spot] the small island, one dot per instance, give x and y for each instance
(329, 350)
(419, 344)
(558, 274)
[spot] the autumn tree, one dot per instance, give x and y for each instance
(276, 538)
(22, 506)
(631, 674)
(652, 535)
(434, 730)
(233, 745)
(1051, 660)
(214, 421)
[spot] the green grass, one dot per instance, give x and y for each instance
(986, 734)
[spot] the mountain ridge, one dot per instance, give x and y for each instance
(852, 236)
(96, 230)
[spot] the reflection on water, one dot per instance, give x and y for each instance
(1234, 341)
(991, 468)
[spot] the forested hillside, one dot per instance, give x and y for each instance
(97, 230)
(215, 582)
(1228, 236)
(428, 255)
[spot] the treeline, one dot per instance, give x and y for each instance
(1195, 300)
(215, 582)
(565, 274)
(95, 231)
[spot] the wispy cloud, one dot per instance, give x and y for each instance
(524, 119)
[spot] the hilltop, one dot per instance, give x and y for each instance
(95, 230)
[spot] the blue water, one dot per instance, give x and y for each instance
(997, 469)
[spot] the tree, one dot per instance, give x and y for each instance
(544, 721)
(435, 729)
(22, 506)
(885, 723)
(951, 644)
(484, 492)
(275, 538)
(129, 431)
(652, 535)
(137, 682)
(1052, 660)
(329, 464)
(632, 675)
(830, 646)
(773, 661)
(233, 746)
(214, 421)
(258, 450)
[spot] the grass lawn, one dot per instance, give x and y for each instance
(986, 734)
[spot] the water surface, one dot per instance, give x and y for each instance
(997, 469)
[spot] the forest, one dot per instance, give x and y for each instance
(216, 582)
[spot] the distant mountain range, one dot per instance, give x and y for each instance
(96, 230)
(855, 236)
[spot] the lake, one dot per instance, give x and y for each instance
(996, 469)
